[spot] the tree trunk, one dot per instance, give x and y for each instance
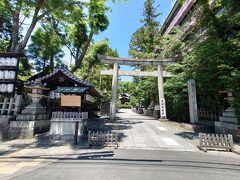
(15, 27)
(35, 19)
(51, 62)
(44, 64)
(17, 46)
(80, 59)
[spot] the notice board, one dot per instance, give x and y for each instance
(70, 101)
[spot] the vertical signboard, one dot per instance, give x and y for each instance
(8, 72)
(162, 108)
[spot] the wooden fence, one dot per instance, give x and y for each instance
(205, 114)
(102, 138)
(10, 105)
(215, 142)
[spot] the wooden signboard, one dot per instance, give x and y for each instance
(70, 101)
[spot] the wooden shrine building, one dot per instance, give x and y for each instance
(68, 102)
(62, 84)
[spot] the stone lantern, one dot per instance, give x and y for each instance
(228, 122)
(36, 94)
(33, 119)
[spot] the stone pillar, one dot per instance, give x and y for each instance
(162, 104)
(112, 114)
(18, 101)
(192, 101)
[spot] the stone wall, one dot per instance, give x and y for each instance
(27, 129)
(4, 121)
(228, 128)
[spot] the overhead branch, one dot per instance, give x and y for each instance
(22, 21)
(84, 51)
(71, 52)
(35, 19)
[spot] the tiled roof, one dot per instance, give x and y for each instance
(64, 71)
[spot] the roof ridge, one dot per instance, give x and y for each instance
(66, 72)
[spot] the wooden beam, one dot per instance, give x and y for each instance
(135, 73)
(134, 61)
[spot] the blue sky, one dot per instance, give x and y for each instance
(124, 21)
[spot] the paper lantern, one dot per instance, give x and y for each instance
(1, 74)
(7, 62)
(10, 88)
(13, 62)
(3, 87)
(2, 61)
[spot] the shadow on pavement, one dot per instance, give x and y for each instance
(188, 135)
(108, 156)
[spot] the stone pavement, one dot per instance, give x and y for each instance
(137, 132)
(142, 132)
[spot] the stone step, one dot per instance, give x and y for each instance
(228, 114)
(229, 110)
(229, 119)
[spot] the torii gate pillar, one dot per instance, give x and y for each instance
(162, 103)
(112, 114)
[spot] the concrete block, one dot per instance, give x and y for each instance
(228, 128)
(228, 114)
(229, 119)
(66, 129)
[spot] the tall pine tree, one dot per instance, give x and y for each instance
(145, 39)
(143, 45)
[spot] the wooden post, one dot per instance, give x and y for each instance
(192, 101)
(162, 104)
(4, 105)
(89, 137)
(76, 133)
(112, 114)
(17, 104)
(10, 106)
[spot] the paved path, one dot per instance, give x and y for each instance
(141, 132)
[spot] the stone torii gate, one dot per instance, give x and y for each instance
(115, 72)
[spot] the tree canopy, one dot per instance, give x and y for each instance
(208, 52)
(74, 22)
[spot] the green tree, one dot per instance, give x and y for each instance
(45, 49)
(144, 44)
(33, 10)
(5, 27)
(98, 22)
(212, 60)
(145, 39)
(92, 67)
